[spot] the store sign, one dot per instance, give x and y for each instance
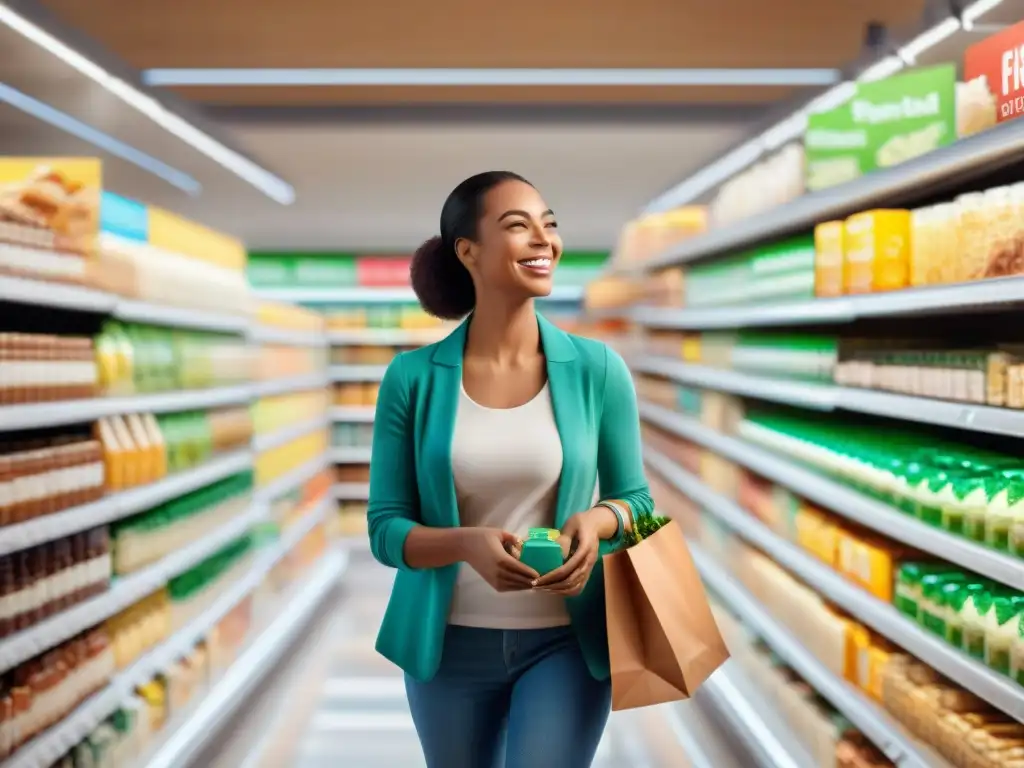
(885, 123)
(384, 271)
(906, 115)
(124, 218)
(834, 147)
(999, 61)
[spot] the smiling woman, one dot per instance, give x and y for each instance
(495, 435)
(497, 213)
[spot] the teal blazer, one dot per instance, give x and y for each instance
(411, 482)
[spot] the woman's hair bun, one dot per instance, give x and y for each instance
(441, 283)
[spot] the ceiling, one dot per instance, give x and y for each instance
(371, 165)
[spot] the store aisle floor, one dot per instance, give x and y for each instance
(342, 704)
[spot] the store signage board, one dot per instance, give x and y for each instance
(999, 59)
(885, 123)
(124, 218)
(835, 148)
(906, 115)
(384, 271)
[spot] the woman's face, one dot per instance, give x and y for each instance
(517, 247)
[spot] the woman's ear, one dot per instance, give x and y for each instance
(465, 251)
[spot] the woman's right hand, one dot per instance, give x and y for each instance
(493, 553)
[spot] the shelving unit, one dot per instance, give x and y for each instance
(922, 177)
(846, 502)
(128, 589)
(858, 708)
(712, 406)
(994, 688)
(828, 397)
(190, 736)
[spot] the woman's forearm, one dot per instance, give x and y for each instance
(608, 521)
(427, 547)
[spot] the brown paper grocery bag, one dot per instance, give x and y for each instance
(662, 638)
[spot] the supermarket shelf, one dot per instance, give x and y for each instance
(372, 295)
(350, 455)
(923, 176)
(124, 591)
(398, 337)
(291, 480)
(49, 746)
(215, 710)
(998, 690)
(871, 719)
(977, 418)
(842, 500)
(357, 372)
(349, 294)
(981, 296)
(351, 491)
(53, 414)
(355, 415)
(285, 435)
(289, 384)
(741, 706)
(133, 311)
(265, 334)
(41, 293)
(798, 393)
(120, 505)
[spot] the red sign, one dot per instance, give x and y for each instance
(383, 271)
(1000, 60)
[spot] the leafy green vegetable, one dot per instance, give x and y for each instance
(643, 526)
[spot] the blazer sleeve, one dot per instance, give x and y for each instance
(394, 506)
(620, 463)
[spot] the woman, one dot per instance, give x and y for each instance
(504, 425)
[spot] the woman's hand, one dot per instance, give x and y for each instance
(582, 530)
(494, 554)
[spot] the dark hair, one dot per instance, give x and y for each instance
(442, 284)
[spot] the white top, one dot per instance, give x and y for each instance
(506, 464)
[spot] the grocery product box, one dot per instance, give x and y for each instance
(49, 216)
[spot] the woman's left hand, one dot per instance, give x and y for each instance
(569, 580)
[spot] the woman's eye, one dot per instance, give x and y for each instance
(515, 224)
(552, 225)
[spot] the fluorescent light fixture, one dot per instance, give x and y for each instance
(97, 138)
(490, 77)
(269, 184)
(929, 39)
(975, 11)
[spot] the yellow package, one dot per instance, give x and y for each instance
(876, 251)
(858, 656)
(691, 347)
(828, 259)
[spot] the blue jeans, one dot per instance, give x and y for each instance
(512, 698)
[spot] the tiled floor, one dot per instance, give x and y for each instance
(340, 704)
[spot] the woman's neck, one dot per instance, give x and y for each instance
(503, 333)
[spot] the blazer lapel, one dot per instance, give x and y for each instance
(444, 406)
(564, 384)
